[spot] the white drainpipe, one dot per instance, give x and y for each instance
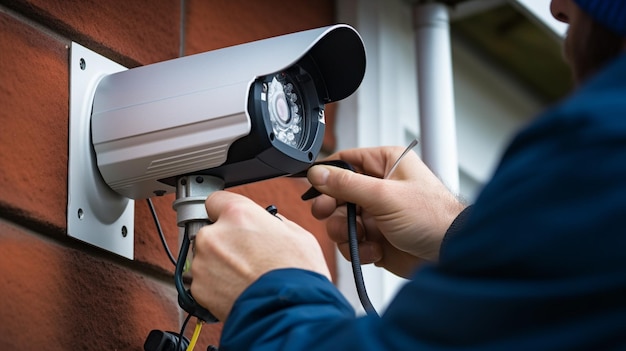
(435, 92)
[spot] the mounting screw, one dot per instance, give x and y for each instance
(124, 231)
(81, 213)
(199, 180)
(83, 64)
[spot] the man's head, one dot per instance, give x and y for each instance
(597, 32)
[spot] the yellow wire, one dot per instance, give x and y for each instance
(194, 337)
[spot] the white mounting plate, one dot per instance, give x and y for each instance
(95, 213)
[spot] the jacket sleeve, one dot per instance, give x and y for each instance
(294, 309)
(286, 309)
(456, 227)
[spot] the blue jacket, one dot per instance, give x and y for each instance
(539, 264)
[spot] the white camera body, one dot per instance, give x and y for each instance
(153, 123)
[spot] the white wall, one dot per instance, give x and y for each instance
(385, 104)
(490, 109)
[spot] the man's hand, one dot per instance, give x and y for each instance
(243, 243)
(402, 219)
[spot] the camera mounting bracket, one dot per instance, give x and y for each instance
(95, 213)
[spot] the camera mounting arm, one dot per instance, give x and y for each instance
(191, 193)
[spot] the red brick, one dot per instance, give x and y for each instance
(219, 23)
(34, 120)
(59, 298)
(129, 32)
(329, 144)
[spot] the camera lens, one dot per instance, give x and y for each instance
(281, 109)
(285, 111)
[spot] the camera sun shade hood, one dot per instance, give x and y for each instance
(180, 116)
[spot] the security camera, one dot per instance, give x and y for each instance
(241, 114)
(195, 125)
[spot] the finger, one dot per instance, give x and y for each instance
(369, 252)
(363, 160)
(199, 244)
(323, 207)
(345, 185)
(337, 228)
(222, 202)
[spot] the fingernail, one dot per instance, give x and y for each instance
(318, 175)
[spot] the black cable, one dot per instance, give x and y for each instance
(160, 230)
(179, 346)
(353, 243)
(185, 300)
(180, 265)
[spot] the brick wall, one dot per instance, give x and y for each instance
(57, 293)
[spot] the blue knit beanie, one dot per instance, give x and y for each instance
(610, 13)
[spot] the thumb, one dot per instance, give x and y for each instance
(343, 184)
(220, 202)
